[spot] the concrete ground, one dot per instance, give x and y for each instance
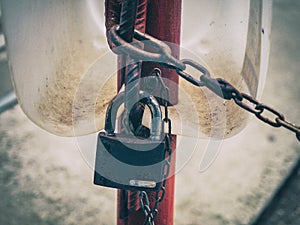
(45, 180)
(284, 207)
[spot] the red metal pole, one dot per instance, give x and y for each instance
(163, 22)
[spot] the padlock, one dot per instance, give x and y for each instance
(126, 162)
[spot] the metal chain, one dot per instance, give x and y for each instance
(151, 214)
(227, 91)
(219, 86)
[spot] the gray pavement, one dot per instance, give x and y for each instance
(284, 207)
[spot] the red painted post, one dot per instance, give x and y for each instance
(163, 22)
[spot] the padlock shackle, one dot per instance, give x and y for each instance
(156, 128)
(111, 113)
(149, 100)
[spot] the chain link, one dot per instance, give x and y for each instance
(259, 108)
(162, 55)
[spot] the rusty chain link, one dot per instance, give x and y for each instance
(258, 110)
(162, 55)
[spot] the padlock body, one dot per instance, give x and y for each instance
(128, 163)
